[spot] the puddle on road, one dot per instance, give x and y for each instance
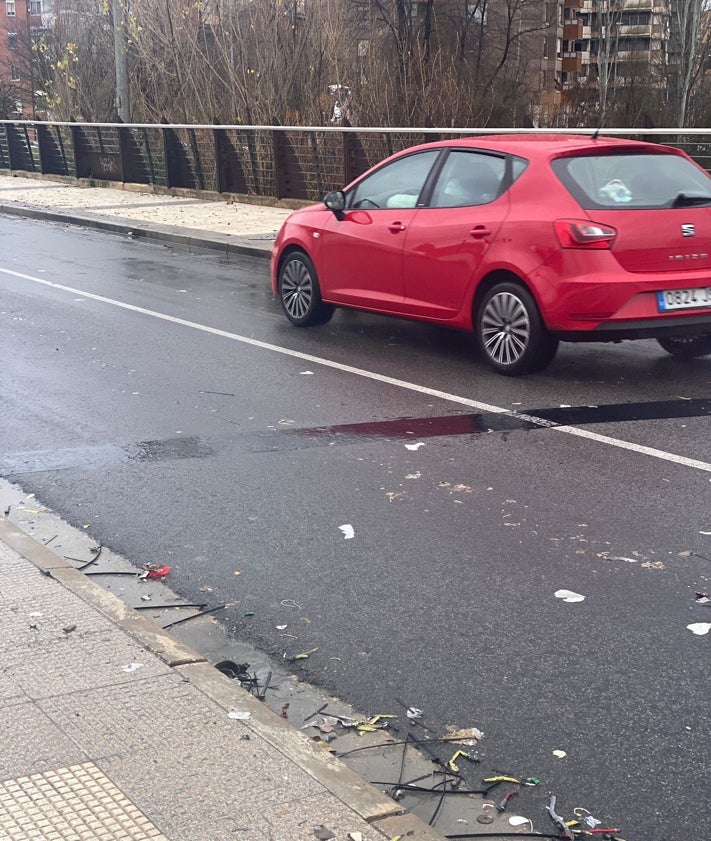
(102, 455)
(471, 424)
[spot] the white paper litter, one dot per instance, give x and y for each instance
(240, 715)
(518, 820)
(699, 628)
(132, 667)
(414, 446)
(348, 531)
(559, 753)
(569, 596)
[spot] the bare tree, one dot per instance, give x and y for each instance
(608, 16)
(689, 52)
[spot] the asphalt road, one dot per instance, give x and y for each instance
(161, 399)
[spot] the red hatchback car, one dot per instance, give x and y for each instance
(525, 240)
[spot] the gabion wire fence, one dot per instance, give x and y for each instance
(280, 162)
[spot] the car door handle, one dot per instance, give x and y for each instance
(396, 227)
(479, 232)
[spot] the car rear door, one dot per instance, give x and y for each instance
(448, 239)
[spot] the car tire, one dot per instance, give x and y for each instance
(510, 331)
(299, 292)
(686, 347)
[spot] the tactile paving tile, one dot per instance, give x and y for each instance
(76, 803)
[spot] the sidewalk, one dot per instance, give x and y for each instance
(230, 227)
(113, 730)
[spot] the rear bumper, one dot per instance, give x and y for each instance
(649, 328)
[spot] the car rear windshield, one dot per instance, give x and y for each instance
(629, 181)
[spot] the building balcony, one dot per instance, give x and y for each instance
(573, 4)
(572, 62)
(573, 30)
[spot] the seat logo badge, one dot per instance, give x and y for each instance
(688, 230)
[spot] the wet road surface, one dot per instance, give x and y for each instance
(162, 400)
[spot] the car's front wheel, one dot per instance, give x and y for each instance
(299, 292)
(686, 347)
(510, 331)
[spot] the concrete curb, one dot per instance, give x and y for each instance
(350, 788)
(185, 237)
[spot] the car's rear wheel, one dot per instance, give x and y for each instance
(299, 292)
(686, 347)
(511, 333)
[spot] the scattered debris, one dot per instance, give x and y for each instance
(569, 596)
(413, 713)
(348, 531)
(132, 667)
(323, 833)
(154, 571)
(69, 628)
(392, 495)
(195, 615)
(519, 820)
(703, 598)
(559, 753)
(414, 446)
(289, 603)
(502, 805)
(653, 565)
(239, 715)
(304, 655)
(464, 736)
(556, 818)
(354, 836)
(699, 628)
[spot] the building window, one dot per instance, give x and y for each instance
(14, 73)
(12, 40)
(35, 7)
(10, 8)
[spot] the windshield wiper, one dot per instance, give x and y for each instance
(690, 200)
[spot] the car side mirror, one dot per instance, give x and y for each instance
(336, 201)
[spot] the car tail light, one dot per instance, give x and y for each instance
(577, 233)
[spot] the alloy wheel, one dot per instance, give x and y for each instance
(297, 289)
(505, 328)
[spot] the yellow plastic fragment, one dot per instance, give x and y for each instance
(376, 718)
(501, 779)
(451, 765)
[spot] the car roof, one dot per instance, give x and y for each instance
(549, 146)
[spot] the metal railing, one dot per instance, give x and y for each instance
(294, 162)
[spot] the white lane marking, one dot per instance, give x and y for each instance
(382, 378)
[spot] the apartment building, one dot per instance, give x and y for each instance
(21, 22)
(630, 36)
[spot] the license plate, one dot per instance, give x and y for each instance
(684, 299)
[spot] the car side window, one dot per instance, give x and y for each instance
(395, 185)
(468, 178)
